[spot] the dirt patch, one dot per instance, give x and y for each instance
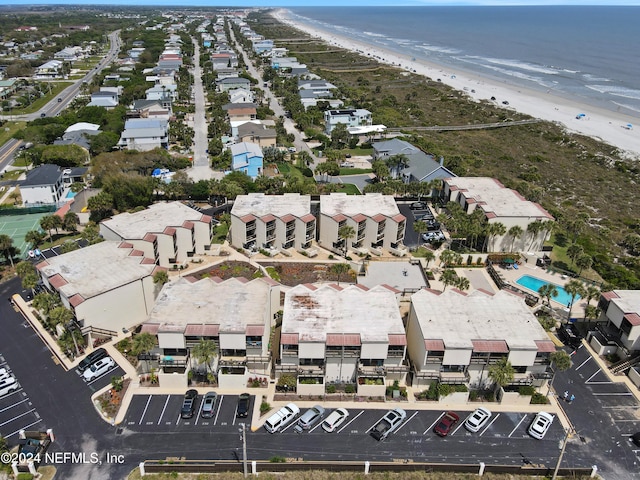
(292, 274)
(230, 269)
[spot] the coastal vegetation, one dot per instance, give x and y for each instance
(587, 185)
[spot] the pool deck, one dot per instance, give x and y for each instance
(511, 275)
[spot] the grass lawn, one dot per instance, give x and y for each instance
(560, 259)
(9, 129)
(349, 189)
(21, 162)
(283, 167)
(355, 171)
(422, 252)
(56, 88)
(12, 175)
(220, 234)
(361, 152)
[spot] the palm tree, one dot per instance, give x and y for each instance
(534, 229)
(34, 238)
(429, 256)
(502, 373)
(448, 277)
(575, 288)
(584, 262)
(493, 230)
(574, 251)
(48, 223)
(420, 227)
(447, 257)
(71, 222)
(515, 232)
(463, 283)
(560, 361)
(591, 312)
(160, 277)
(204, 351)
(591, 292)
(548, 291)
(7, 248)
(396, 163)
(60, 315)
(45, 302)
(339, 269)
(143, 343)
(344, 233)
(30, 280)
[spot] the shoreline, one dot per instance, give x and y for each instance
(598, 123)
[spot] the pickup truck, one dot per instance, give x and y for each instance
(387, 424)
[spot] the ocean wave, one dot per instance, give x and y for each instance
(373, 34)
(521, 65)
(433, 48)
(520, 75)
(593, 78)
(632, 108)
(616, 90)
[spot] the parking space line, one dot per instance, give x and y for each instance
(20, 390)
(597, 372)
(582, 364)
(15, 418)
(199, 411)
(218, 411)
(434, 423)
(178, 420)
(293, 422)
(13, 405)
(490, 423)
(23, 428)
(145, 410)
(459, 427)
(163, 409)
(352, 420)
(613, 394)
(235, 415)
(319, 423)
(518, 425)
(405, 422)
(103, 375)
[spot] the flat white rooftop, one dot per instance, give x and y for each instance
(496, 198)
(259, 205)
(628, 300)
(233, 304)
(370, 205)
(457, 319)
(154, 219)
(96, 269)
(374, 313)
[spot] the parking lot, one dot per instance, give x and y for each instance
(16, 410)
(162, 413)
(103, 380)
(413, 214)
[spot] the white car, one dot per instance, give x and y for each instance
(99, 368)
(477, 420)
(540, 425)
(8, 384)
(334, 420)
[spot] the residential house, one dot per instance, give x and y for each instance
(224, 60)
(106, 97)
(454, 338)
(69, 54)
(165, 94)
(272, 222)
(351, 117)
(170, 60)
(169, 233)
(421, 167)
(240, 95)
(318, 86)
(500, 205)
(257, 133)
(144, 134)
(262, 46)
(311, 98)
(79, 134)
(222, 73)
(43, 185)
(621, 312)
(247, 157)
(148, 109)
(235, 314)
(108, 286)
(376, 221)
(227, 84)
(50, 69)
(349, 334)
(240, 111)
(7, 87)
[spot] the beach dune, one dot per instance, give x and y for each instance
(612, 128)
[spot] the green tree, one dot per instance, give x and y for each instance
(534, 229)
(574, 252)
(548, 291)
(574, 288)
(493, 230)
(514, 233)
(46, 302)
(34, 238)
(69, 246)
(143, 343)
(101, 206)
(60, 315)
(71, 221)
(30, 280)
(591, 292)
(7, 248)
(204, 352)
(344, 234)
(25, 268)
(584, 262)
(420, 227)
(397, 163)
(502, 373)
(380, 170)
(160, 277)
(91, 233)
(448, 277)
(429, 257)
(339, 269)
(462, 283)
(447, 257)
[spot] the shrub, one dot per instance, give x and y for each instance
(276, 459)
(350, 388)
(331, 389)
(526, 390)
(539, 399)
(264, 407)
(473, 395)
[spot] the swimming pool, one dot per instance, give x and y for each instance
(70, 194)
(534, 284)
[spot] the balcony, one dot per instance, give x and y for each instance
(342, 353)
(371, 371)
(310, 370)
(398, 252)
(454, 377)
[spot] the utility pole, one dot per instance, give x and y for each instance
(564, 445)
(243, 436)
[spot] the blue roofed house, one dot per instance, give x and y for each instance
(421, 167)
(247, 158)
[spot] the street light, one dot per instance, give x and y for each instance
(567, 432)
(243, 437)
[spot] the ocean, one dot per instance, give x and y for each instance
(588, 54)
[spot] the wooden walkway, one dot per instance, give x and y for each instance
(481, 126)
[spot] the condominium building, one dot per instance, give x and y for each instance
(376, 221)
(260, 221)
(235, 314)
(332, 334)
(170, 233)
(621, 312)
(500, 205)
(455, 338)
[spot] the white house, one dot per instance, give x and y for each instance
(350, 117)
(43, 185)
(170, 233)
(344, 335)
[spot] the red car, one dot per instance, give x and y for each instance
(446, 424)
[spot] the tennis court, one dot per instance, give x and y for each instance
(17, 226)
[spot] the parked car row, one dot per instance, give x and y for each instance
(95, 364)
(8, 382)
(209, 404)
(312, 417)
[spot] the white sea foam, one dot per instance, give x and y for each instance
(520, 75)
(593, 78)
(373, 34)
(522, 65)
(433, 48)
(618, 91)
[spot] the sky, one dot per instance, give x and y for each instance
(327, 3)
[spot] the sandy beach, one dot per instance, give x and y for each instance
(604, 125)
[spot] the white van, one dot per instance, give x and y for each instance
(281, 418)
